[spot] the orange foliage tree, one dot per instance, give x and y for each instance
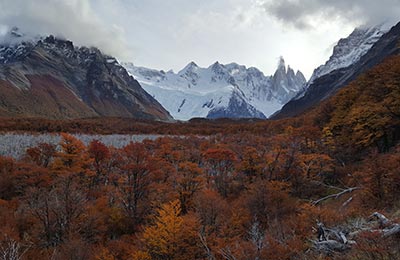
(172, 236)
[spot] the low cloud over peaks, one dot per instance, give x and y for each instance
(72, 19)
(305, 14)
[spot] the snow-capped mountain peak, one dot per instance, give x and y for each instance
(191, 67)
(59, 80)
(363, 49)
(230, 90)
(349, 50)
(217, 66)
(300, 75)
(285, 83)
(281, 64)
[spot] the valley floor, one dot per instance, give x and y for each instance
(258, 189)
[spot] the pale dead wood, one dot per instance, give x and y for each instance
(336, 195)
(332, 240)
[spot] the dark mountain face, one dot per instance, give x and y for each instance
(327, 85)
(52, 78)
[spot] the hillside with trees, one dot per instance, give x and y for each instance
(325, 185)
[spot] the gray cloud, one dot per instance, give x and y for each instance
(142, 31)
(305, 14)
(72, 19)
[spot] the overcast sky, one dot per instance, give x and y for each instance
(168, 34)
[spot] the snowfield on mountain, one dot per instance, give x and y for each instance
(230, 90)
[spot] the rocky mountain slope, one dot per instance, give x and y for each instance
(349, 50)
(362, 50)
(52, 78)
(231, 90)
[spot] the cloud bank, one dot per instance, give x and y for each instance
(168, 34)
(306, 14)
(72, 19)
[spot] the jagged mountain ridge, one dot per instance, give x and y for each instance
(230, 90)
(328, 84)
(349, 50)
(51, 78)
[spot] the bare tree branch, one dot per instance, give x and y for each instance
(336, 195)
(383, 221)
(203, 240)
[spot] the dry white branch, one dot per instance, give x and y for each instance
(203, 240)
(395, 229)
(11, 249)
(347, 202)
(227, 254)
(336, 195)
(383, 221)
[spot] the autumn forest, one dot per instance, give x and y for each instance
(324, 185)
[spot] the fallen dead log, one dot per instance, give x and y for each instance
(383, 221)
(330, 246)
(395, 229)
(330, 240)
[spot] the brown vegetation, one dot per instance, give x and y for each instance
(304, 188)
